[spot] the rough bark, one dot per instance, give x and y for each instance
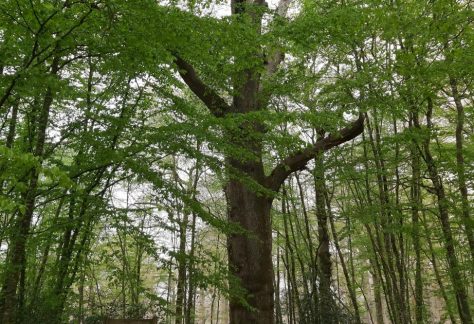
(250, 255)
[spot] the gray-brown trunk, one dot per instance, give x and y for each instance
(250, 254)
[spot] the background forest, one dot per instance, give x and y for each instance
(246, 162)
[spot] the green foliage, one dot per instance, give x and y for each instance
(124, 158)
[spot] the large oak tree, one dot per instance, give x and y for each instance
(249, 205)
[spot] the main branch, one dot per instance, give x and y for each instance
(278, 56)
(298, 160)
(211, 99)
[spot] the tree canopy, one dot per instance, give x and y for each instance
(242, 162)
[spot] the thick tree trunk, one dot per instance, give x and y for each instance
(250, 254)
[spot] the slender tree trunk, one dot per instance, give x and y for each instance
(288, 263)
(74, 248)
(439, 280)
(313, 269)
(189, 312)
(377, 296)
(391, 252)
(326, 308)
(180, 294)
(12, 125)
(169, 298)
(399, 245)
(442, 201)
(415, 207)
(16, 259)
(461, 172)
(38, 281)
(189, 318)
(80, 312)
(380, 249)
(278, 311)
(293, 232)
(137, 275)
(350, 283)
